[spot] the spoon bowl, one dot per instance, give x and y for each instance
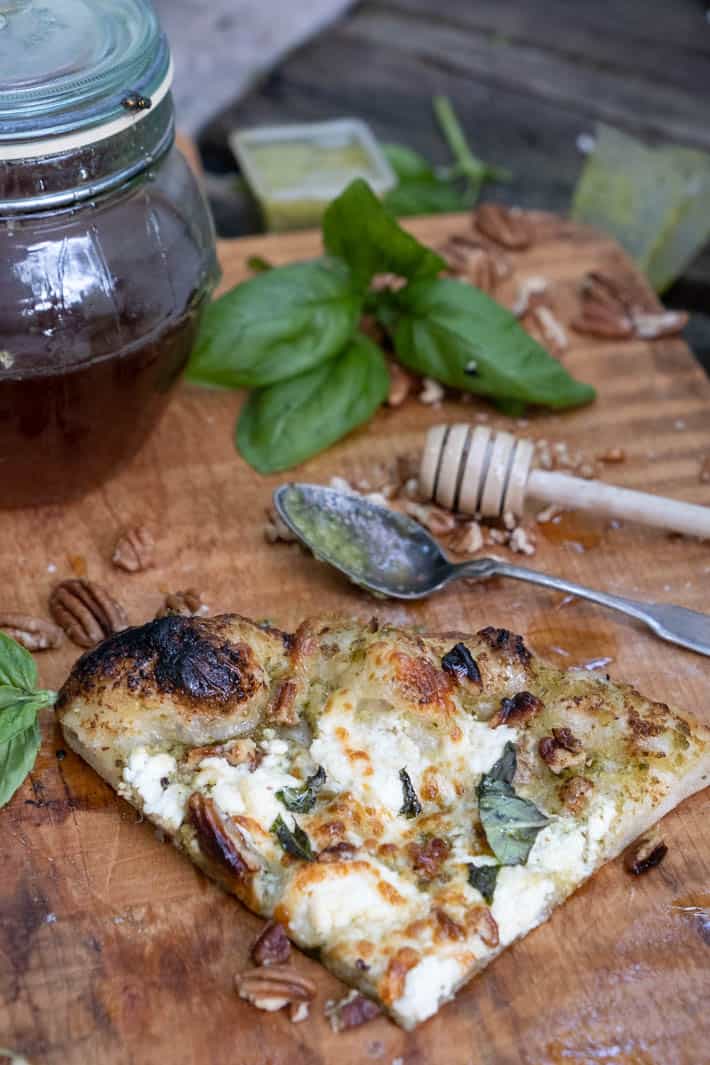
(389, 554)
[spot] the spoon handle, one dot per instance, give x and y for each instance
(677, 624)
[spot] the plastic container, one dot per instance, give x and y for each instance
(295, 171)
(107, 251)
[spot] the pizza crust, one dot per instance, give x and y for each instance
(203, 723)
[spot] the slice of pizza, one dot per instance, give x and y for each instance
(405, 805)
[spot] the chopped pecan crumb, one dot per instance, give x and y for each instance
(510, 643)
(613, 455)
(530, 294)
(518, 710)
(188, 603)
(36, 634)
(467, 539)
(504, 225)
(574, 793)
(544, 327)
(432, 392)
(275, 529)
(86, 612)
(275, 986)
(428, 858)
(561, 750)
(447, 926)
(481, 921)
(272, 946)
(437, 521)
(338, 852)
(134, 550)
(283, 711)
(401, 384)
(645, 853)
(352, 1011)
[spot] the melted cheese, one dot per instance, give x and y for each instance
(322, 902)
(428, 984)
(363, 753)
(147, 775)
(239, 790)
(522, 899)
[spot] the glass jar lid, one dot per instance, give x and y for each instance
(72, 65)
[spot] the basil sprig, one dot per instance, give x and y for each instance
(301, 800)
(510, 822)
(292, 335)
(20, 703)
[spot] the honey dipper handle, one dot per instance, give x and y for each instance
(614, 502)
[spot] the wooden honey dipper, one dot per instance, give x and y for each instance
(478, 471)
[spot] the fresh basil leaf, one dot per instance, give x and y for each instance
(277, 325)
(483, 878)
(17, 756)
(289, 422)
(407, 164)
(426, 196)
(301, 800)
(510, 822)
(17, 666)
(358, 229)
(411, 807)
(294, 841)
(19, 717)
(446, 329)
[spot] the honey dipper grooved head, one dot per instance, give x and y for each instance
(475, 471)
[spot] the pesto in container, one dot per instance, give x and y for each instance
(295, 171)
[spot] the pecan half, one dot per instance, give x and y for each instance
(518, 710)
(219, 838)
(134, 550)
(275, 986)
(187, 603)
(504, 225)
(35, 634)
(481, 922)
(272, 946)
(606, 308)
(480, 266)
(574, 793)
(645, 853)
(602, 321)
(428, 858)
(86, 612)
(352, 1011)
(561, 750)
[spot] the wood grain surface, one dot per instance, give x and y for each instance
(114, 950)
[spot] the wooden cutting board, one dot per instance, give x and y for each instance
(113, 949)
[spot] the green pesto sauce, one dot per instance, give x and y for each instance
(328, 535)
(298, 164)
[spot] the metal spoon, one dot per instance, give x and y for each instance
(391, 555)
